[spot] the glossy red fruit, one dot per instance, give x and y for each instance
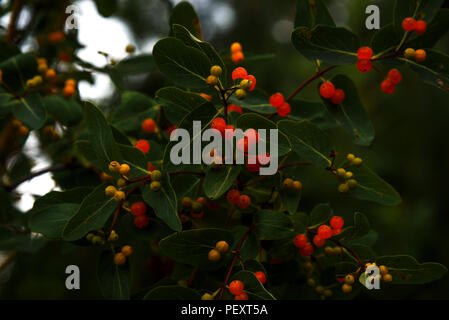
(244, 201)
(365, 53)
(138, 208)
(325, 231)
(388, 86)
(395, 76)
(141, 221)
(338, 96)
(284, 110)
(307, 250)
(337, 222)
(253, 167)
(233, 196)
(327, 90)
(236, 287)
(364, 65)
(234, 108)
(150, 167)
(242, 296)
(219, 124)
(148, 125)
(300, 240)
(239, 73)
(420, 27)
(318, 241)
(261, 276)
(142, 145)
(409, 24)
(276, 100)
(336, 231)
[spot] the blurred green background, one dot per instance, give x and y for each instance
(410, 151)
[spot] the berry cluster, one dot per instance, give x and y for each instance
(328, 91)
(283, 107)
(138, 210)
(348, 177)
(247, 82)
(69, 88)
(364, 54)
(237, 288)
(215, 72)
(149, 126)
(237, 55)
(98, 237)
(196, 207)
(417, 55)
(220, 247)
(409, 24)
(292, 185)
(349, 279)
(22, 130)
(121, 257)
(394, 77)
(241, 200)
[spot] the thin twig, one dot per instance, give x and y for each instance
(308, 81)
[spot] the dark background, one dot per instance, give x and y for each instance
(410, 151)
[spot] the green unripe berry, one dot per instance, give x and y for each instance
(97, 240)
(329, 251)
(308, 266)
(155, 186)
(212, 80)
(327, 293)
(113, 236)
(245, 84)
(240, 94)
(216, 71)
(89, 237)
(197, 207)
(156, 175)
(337, 251)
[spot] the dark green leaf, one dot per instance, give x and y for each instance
(114, 280)
(320, 214)
(184, 14)
(271, 225)
(309, 14)
(30, 110)
(253, 287)
(134, 108)
(360, 228)
(65, 110)
(218, 180)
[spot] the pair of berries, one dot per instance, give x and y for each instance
(34, 82)
(21, 129)
(248, 82)
(364, 63)
(97, 237)
(394, 77)
(112, 191)
(332, 251)
(69, 88)
(196, 206)
(302, 242)
(142, 145)
(283, 107)
(234, 197)
(148, 126)
(237, 288)
(122, 169)
(215, 72)
(328, 91)
(121, 257)
(138, 210)
(220, 125)
(156, 177)
(353, 160)
(220, 247)
(292, 185)
(418, 55)
(237, 55)
(409, 24)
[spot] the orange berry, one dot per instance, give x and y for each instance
(261, 277)
(206, 96)
(127, 250)
(242, 296)
(56, 37)
(148, 125)
(23, 131)
(244, 202)
(251, 78)
(141, 221)
(239, 73)
(233, 196)
(327, 90)
(236, 287)
(365, 53)
(388, 86)
(237, 57)
(50, 74)
(138, 208)
(142, 145)
(68, 91)
(276, 100)
(338, 96)
(420, 55)
(214, 255)
(236, 47)
(395, 76)
(119, 259)
(284, 110)
(70, 82)
(364, 65)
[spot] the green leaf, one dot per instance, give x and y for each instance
(184, 65)
(307, 141)
(360, 228)
(164, 202)
(67, 111)
(178, 103)
(134, 108)
(114, 280)
(273, 225)
(434, 70)
(255, 121)
(320, 214)
(7, 50)
(92, 214)
(172, 293)
(131, 66)
(290, 200)
(407, 270)
(30, 110)
(250, 247)
(332, 45)
(17, 70)
(351, 114)
(184, 14)
(75, 195)
(192, 247)
(315, 112)
(434, 32)
(256, 101)
(309, 14)
(372, 187)
(253, 287)
(51, 220)
(218, 180)
(385, 39)
(100, 135)
(135, 159)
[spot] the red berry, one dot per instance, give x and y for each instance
(395, 76)
(197, 215)
(300, 240)
(388, 86)
(233, 196)
(338, 96)
(365, 53)
(252, 135)
(409, 24)
(150, 167)
(261, 276)
(250, 77)
(253, 167)
(284, 110)
(337, 222)
(219, 124)
(264, 159)
(239, 73)
(148, 125)
(307, 250)
(141, 221)
(232, 128)
(420, 26)
(236, 287)
(142, 145)
(336, 231)
(242, 296)
(138, 208)
(276, 100)
(325, 231)
(327, 90)
(244, 201)
(235, 108)
(242, 145)
(171, 129)
(364, 65)
(318, 241)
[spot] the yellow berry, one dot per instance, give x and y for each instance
(156, 175)
(119, 196)
(346, 288)
(343, 188)
(420, 55)
(240, 94)
(222, 246)
(350, 157)
(245, 84)
(23, 131)
(119, 259)
(329, 251)
(124, 169)
(327, 293)
(155, 186)
(341, 172)
(357, 161)
(113, 236)
(186, 202)
(42, 68)
(50, 74)
(337, 251)
(216, 71)
(319, 289)
(97, 240)
(349, 175)
(311, 282)
(89, 237)
(130, 48)
(352, 183)
(121, 182)
(410, 53)
(182, 283)
(110, 191)
(288, 184)
(207, 296)
(387, 278)
(349, 279)
(297, 186)
(214, 255)
(212, 80)
(114, 166)
(383, 270)
(127, 250)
